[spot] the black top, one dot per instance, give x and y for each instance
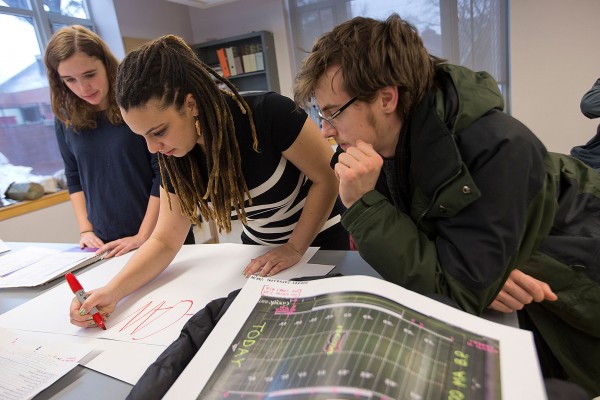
(277, 187)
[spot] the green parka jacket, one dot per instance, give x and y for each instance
(485, 198)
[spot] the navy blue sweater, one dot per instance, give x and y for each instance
(115, 171)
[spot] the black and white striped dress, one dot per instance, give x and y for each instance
(277, 187)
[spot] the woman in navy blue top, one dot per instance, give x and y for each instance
(112, 178)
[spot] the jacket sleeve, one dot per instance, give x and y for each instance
(161, 374)
(590, 103)
(390, 242)
(469, 253)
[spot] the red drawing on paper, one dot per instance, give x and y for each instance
(271, 291)
(483, 346)
(150, 320)
(285, 310)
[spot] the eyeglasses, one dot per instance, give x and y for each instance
(335, 114)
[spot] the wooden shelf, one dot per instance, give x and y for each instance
(265, 79)
(25, 207)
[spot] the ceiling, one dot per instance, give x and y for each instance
(202, 3)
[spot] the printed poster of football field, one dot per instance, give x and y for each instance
(353, 345)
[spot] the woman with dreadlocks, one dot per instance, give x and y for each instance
(257, 158)
(113, 180)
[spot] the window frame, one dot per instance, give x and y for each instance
(43, 22)
(449, 25)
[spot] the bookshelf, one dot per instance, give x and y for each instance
(249, 48)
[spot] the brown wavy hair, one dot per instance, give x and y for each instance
(167, 69)
(66, 105)
(372, 55)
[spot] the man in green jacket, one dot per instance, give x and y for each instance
(447, 194)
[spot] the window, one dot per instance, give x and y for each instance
(27, 139)
(472, 33)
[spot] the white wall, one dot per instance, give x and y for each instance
(105, 18)
(554, 60)
(54, 224)
(149, 19)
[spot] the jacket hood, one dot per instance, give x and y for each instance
(477, 94)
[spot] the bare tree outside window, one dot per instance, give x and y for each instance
(69, 8)
(472, 33)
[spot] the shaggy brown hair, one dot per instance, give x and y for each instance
(66, 105)
(372, 54)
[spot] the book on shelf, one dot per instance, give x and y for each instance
(258, 55)
(249, 59)
(230, 61)
(223, 62)
(237, 60)
(356, 337)
(35, 265)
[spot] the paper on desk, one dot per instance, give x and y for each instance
(362, 330)
(29, 366)
(155, 313)
(32, 266)
(22, 258)
(105, 352)
(110, 359)
(3, 246)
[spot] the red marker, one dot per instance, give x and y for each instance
(81, 296)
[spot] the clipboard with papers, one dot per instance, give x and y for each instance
(33, 265)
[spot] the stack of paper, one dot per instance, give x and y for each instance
(29, 366)
(33, 266)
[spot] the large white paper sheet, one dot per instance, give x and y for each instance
(155, 314)
(109, 359)
(28, 366)
(235, 345)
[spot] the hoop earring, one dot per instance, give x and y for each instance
(197, 124)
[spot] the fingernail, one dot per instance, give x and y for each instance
(107, 315)
(92, 323)
(82, 311)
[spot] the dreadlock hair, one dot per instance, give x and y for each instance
(372, 54)
(167, 69)
(66, 105)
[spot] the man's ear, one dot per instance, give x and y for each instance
(190, 102)
(388, 97)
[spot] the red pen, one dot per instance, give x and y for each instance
(81, 296)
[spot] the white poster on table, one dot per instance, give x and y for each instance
(155, 313)
(356, 337)
(148, 320)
